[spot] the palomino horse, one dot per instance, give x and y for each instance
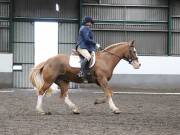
(57, 70)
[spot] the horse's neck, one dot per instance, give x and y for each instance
(113, 60)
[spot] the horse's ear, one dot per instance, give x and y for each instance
(132, 43)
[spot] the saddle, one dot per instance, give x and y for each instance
(75, 59)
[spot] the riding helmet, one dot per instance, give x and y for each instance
(88, 19)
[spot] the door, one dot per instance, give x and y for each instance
(46, 40)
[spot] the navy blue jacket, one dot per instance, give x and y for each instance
(85, 39)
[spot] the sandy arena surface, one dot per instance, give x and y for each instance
(142, 114)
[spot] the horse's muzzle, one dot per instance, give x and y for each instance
(136, 64)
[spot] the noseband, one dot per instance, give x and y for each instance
(129, 60)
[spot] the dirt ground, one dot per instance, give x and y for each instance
(149, 114)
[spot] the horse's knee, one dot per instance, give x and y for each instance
(41, 92)
(44, 88)
(63, 94)
(108, 93)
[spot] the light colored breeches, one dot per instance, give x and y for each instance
(84, 53)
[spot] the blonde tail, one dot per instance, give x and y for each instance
(36, 77)
(37, 81)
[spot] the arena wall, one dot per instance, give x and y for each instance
(156, 72)
(6, 74)
(154, 25)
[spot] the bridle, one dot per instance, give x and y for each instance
(112, 54)
(129, 60)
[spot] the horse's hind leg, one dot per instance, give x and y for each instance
(64, 94)
(41, 93)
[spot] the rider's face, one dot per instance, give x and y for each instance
(89, 24)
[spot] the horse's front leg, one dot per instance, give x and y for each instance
(71, 105)
(108, 93)
(64, 94)
(113, 106)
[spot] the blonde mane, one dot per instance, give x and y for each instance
(114, 45)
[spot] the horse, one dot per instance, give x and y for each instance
(57, 70)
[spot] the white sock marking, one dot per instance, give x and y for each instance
(112, 105)
(69, 102)
(39, 103)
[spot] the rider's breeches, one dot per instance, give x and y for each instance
(84, 53)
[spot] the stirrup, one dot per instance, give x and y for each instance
(80, 74)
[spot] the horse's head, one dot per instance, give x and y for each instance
(131, 55)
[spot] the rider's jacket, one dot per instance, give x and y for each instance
(85, 39)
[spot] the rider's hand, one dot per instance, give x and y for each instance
(98, 45)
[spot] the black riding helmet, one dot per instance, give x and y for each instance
(88, 19)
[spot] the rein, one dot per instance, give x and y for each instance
(127, 59)
(112, 54)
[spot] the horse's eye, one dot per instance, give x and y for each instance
(134, 51)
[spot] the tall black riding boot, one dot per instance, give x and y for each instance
(82, 72)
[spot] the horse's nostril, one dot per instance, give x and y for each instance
(139, 64)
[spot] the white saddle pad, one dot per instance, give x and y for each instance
(75, 61)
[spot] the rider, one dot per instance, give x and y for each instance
(86, 44)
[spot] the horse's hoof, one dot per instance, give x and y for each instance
(117, 111)
(44, 113)
(76, 111)
(97, 101)
(48, 113)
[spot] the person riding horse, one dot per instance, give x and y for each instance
(58, 70)
(85, 44)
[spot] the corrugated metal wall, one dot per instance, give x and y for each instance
(4, 26)
(4, 8)
(135, 2)
(144, 45)
(46, 8)
(67, 34)
(114, 12)
(175, 16)
(28, 11)
(20, 78)
(146, 13)
(143, 34)
(104, 12)
(144, 21)
(23, 50)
